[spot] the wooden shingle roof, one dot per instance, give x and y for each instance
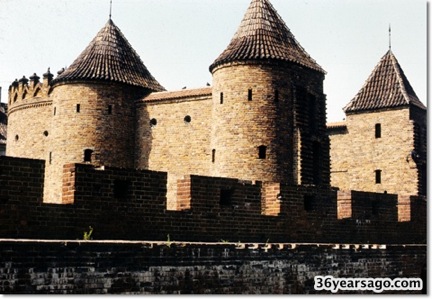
(264, 35)
(386, 87)
(110, 57)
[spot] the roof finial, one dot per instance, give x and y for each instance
(389, 36)
(110, 9)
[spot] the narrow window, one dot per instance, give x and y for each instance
(187, 119)
(309, 202)
(153, 122)
(377, 130)
(226, 196)
(50, 157)
(55, 110)
(378, 176)
(78, 108)
(88, 155)
(213, 155)
(262, 152)
(109, 109)
(121, 189)
(276, 96)
(45, 133)
(221, 98)
(250, 95)
(316, 162)
(16, 137)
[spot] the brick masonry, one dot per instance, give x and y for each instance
(132, 205)
(357, 154)
(90, 267)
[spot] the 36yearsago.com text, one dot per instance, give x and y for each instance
(377, 285)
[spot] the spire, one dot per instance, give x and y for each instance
(389, 36)
(263, 34)
(110, 9)
(110, 57)
(386, 87)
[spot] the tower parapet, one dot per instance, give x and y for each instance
(29, 101)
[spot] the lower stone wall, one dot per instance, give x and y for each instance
(118, 267)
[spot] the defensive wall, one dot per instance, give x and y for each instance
(127, 204)
(125, 267)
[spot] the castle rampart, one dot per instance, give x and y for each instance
(132, 204)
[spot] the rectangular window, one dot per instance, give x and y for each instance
(250, 95)
(109, 109)
(276, 96)
(55, 110)
(378, 176)
(221, 98)
(377, 130)
(78, 108)
(213, 156)
(262, 152)
(50, 158)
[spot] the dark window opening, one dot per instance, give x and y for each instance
(276, 96)
(226, 196)
(213, 156)
(153, 122)
(221, 98)
(187, 119)
(313, 120)
(262, 152)
(378, 176)
(16, 137)
(110, 109)
(45, 133)
(377, 130)
(250, 95)
(121, 188)
(309, 202)
(88, 155)
(50, 157)
(55, 110)
(78, 108)
(316, 162)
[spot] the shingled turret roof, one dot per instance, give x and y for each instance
(110, 57)
(386, 87)
(264, 35)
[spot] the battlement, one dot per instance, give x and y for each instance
(132, 204)
(31, 91)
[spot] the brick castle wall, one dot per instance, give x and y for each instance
(255, 121)
(132, 204)
(94, 117)
(29, 102)
(87, 267)
(357, 153)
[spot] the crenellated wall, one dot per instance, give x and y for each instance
(132, 204)
(29, 117)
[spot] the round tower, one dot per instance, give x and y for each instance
(29, 112)
(93, 107)
(258, 84)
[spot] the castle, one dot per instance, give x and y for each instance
(263, 121)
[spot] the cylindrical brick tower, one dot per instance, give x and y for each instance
(29, 121)
(93, 108)
(256, 133)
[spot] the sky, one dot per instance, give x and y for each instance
(179, 39)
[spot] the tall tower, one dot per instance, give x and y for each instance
(93, 107)
(268, 105)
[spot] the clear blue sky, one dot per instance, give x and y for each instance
(179, 39)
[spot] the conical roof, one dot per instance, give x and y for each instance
(264, 35)
(386, 87)
(110, 57)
